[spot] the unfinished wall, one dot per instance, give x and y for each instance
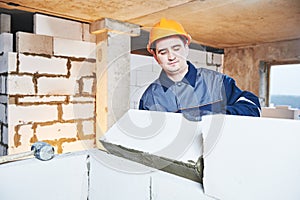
(243, 63)
(48, 86)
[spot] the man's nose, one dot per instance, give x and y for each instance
(171, 55)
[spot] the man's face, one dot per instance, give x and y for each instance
(171, 54)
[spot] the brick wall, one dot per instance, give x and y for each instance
(48, 86)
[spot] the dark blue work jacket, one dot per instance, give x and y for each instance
(202, 91)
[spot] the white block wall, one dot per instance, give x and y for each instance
(92, 175)
(144, 70)
(48, 86)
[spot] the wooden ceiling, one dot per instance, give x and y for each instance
(215, 23)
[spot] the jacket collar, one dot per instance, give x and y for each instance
(189, 78)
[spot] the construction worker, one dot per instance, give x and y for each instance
(183, 88)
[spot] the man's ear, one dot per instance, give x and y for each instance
(155, 57)
(187, 49)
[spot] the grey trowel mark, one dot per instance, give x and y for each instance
(182, 169)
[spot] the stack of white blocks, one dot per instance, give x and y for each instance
(48, 86)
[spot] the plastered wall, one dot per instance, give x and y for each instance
(243, 63)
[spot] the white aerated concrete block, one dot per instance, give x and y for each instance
(3, 113)
(88, 84)
(64, 177)
(78, 145)
(160, 133)
(29, 114)
(84, 68)
(88, 127)
(3, 98)
(8, 62)
(57, 27)
(6, 42)
(56, 86)
(145, 78)
(4, 134)
(217, 59)
(42, 99)
(26, 132)
(145, 182)
(42, 65)
(56, 131)
(5, 23)
(117, 173)
(73, 48)
(3, 88)
(251, 158)
(78, 111)
(32, 43)
(20, 85)
(197, 57)
(164, 184)
(81, 99)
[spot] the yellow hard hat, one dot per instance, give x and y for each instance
(166, 28)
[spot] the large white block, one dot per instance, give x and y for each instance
(56, 86)
(3, 87)
(144, 78)
(197, 56)
(35, 44)
(8, 62)
(42, 99)
(81, 99)
(25, 132)
(64, 177)
(3, 113)
(88, 85)
(78, 145)
(111, 176)
(56, 131)
(6, 42)
(4, 134)
(88, 127)
(110, 173)
(20, 85)
(73, 48)
(168, 186)
(139, 62)
(3, 98)
(217, 59)
(57, 27)
(160, 133)
(5, 23)
(251, 158)
(84, 68)
(78, 111)
(29, 114)
(42, 65)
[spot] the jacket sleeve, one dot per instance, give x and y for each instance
(240, 102)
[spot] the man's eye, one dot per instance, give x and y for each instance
(177, 48)
(162, 52)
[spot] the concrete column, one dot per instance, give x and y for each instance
(113, 71)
